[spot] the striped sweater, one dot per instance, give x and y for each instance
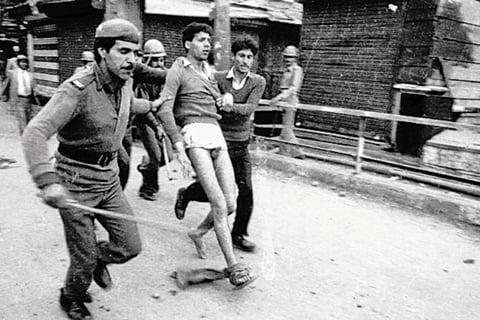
(237, 123)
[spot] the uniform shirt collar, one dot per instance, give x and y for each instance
(103, 77)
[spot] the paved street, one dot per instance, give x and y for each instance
(323, 254)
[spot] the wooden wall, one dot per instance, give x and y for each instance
(457, 42)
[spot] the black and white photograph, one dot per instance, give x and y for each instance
(239, 159)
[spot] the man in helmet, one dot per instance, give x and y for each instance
(89, 113)
(290, 85)
(142, 73)
(87, 61)
(149, 128)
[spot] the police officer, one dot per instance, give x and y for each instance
(87, 61)
(89, 113)
(290, 85)
(149, 128)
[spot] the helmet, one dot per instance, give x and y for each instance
(22, 57)
(118, 29)
(153, 48)
(87, 56)
(290, 51)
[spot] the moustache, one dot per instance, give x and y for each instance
(128, 68)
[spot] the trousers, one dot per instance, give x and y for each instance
(98, 187)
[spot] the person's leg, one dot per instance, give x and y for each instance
(124, 238)
(242, 168)
(21, 109)
(287, 134)
(194, 192)
(149, 171)
(82, 248)
(215, 174)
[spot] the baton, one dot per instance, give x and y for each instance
(116, 215)
(165, 157)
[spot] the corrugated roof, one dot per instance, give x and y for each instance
(273, 10)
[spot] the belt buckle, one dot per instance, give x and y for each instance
(104, 159)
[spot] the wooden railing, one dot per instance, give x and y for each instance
(364, 115)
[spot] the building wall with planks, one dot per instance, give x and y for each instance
(45, 55)
(350, 51)
(456, 42)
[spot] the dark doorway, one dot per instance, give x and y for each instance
(410, 136)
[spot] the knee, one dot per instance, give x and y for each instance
(134, 250)
(131, 250)
(231, 206)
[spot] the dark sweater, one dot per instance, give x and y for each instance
(237, 123)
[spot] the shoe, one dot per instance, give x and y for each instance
(101, 276)
(75, 309)
(243, 244)
(87, 298)
(150, 196)
(181, 204)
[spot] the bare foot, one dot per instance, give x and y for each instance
(198, 242)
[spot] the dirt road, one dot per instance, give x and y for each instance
(323, 254)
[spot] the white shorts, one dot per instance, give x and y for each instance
(203, 135)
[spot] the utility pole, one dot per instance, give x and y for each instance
(222, 41)
(126, 9)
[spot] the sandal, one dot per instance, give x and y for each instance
(239, 275)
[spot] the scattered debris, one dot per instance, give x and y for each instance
(6, 163)
(105, 308)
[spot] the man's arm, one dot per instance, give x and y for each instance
(165, 113)
(5, 87)
(253, 99)
(61, 108)
(146, 74)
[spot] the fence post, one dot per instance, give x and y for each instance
(361, 144)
